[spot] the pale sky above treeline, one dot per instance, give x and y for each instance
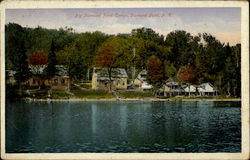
(223, 23)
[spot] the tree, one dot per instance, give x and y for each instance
(155, 71)
(38, 58)
(148, 34)
(186, 74)
(23, 72)
(51, 67)
(15, 47)
(107, 58)
(79, 55)
(51, 70)
(183, 47)
(169, 70)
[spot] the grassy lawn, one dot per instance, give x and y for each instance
(203, 98)
(39, 93)
(100, 94)
(86, 85)
(60, 94)
(125, 94)
(90, 93)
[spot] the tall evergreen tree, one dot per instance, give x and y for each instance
(23, 72)
(51, 67)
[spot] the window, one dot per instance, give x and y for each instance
(55, 81)
(33, 81)
(62, 81)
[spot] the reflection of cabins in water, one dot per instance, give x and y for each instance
(207, 89)
(100, 78)
(141, 81)
(59, 81)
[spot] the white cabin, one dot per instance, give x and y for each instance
(207, 89)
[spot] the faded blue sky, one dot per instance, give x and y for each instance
(224, 23)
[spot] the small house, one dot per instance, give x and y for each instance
(141, 81)
(61, 79)
(141, 77)
(171, 88)
(10, 77)
(100, 79)
(190, 90)
(207, 89)
(145, 86)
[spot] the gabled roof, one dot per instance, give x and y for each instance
(189, 88)
(39, 70)
(10, 73)
(172, 82)
(61, 71)
(143, 72)
(102, 73)
(145, 85)
(206, 87)
(139, 76)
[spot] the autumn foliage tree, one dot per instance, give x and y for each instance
(155, 71)
(38, 58)
(186, 74)
(107, 58)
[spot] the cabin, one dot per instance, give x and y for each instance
(10, 77)
(141, 81)
(141, 77)
(100, 79)
(207, 89)
(171, 88)
(38, 79)
(189, 90)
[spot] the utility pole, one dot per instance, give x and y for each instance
(133, 68)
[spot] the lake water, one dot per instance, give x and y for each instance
(62, 127)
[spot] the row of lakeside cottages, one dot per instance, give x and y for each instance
(119, 81)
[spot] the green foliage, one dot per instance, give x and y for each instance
(183, 47)
(80, 54)
(214, 61)
(148, 34)
(91, 93)
(51, 67)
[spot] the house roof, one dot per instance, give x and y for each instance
(143, 72)
(145, 85)
(39, 70)
(189, 88)
(10, 73)
(102, 73)
(172, 82)
(206, 87)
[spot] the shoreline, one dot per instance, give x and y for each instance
(132, 99)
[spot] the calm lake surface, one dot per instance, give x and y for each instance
(62, 127)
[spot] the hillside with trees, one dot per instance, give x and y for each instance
(190, 58)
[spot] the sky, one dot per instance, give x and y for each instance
(223, 23)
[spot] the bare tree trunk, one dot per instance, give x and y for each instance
(110, 85)
(228, 89)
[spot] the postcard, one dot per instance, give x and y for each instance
(124, 80)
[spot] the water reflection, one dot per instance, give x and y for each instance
(123, 127)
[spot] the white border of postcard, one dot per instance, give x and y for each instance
(137, 4)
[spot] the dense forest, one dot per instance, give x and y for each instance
(189, 58)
